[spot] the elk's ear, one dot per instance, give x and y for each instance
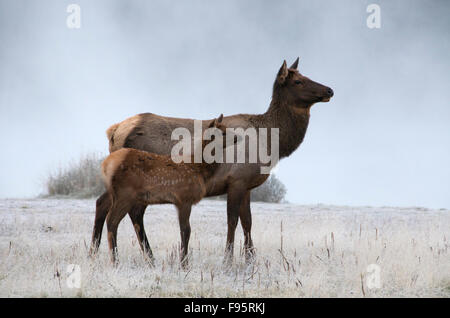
(212, 123)
(282, 73)
(295, 64)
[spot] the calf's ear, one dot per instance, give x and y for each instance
(212, 123)
(218, 123)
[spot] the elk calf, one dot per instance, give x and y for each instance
(135, 178)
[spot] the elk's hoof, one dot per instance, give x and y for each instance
(185, 263)
(151, 261)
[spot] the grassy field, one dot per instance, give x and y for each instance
(302, 251)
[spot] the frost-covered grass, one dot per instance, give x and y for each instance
(302, 251)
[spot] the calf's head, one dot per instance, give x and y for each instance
(298, 90)
(218, 124)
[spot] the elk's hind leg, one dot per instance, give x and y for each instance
(137, 217)
(184, 213)
(103, 205)
(119, 209)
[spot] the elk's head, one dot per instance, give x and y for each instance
(217, 124)
(298, 90)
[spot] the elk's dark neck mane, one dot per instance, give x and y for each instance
(206, 170)
(292, 123)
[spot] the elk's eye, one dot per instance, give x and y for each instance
(298, 82)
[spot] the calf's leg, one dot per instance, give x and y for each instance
(118, 210)
(137, 217)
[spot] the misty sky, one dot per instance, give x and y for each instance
(384, 139)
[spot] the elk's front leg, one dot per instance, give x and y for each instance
(245, 215)
(236, 196)
(102, 207)
(184, 213)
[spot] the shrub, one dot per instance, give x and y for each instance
(79, 179)
(273, 190)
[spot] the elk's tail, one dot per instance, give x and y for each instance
(107, 172)
(110, 132)
(111, 164)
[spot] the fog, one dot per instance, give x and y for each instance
(382, 140)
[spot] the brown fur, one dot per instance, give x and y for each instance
(110, 133)
(137, 178)
(292, 97)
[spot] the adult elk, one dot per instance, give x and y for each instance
(292, 97)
